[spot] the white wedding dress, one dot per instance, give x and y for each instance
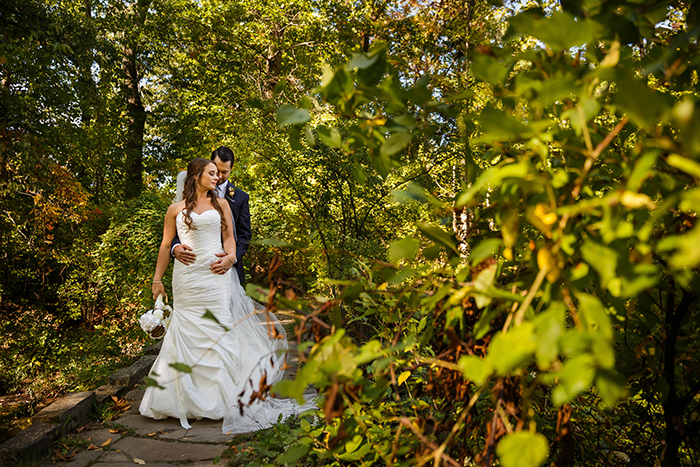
(227, 366)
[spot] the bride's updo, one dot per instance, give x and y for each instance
(195, 168)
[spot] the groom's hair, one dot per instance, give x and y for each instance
(224, 154)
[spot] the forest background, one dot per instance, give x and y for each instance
(483, 214)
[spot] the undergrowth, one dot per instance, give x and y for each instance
(42, 358)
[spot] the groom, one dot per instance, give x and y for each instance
(238, 201)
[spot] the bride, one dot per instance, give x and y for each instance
(214, 330)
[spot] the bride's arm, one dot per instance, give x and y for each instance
(169, 231)
(228, 259)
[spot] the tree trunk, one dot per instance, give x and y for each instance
(135, 110)
(273, 62)
(675, 405)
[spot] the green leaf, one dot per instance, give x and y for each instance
(329, 136)
(181, 367)
(643, 169)
(395, 143)
(208, 315)
(684, 164)
(290, 115)
(356, 454)
(610, 387)
(406, 248)
(475, 369)
(488, 68)
(588, 107)
(575, 377)
(482, 283)
(439, 236)
(499, 126)
(485, 249)
(644, 106)
(512, 350)
(557, 89)
(601, 258)
(549, 327)
(493, 177)
(560, 31)
(687, 254)
(352, 292)
(293, 454)
(150, 382)
(523, 449)
(593, 315)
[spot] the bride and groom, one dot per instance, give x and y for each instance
(228, 347)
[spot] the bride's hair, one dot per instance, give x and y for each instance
(195, 168)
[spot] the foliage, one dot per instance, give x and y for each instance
(498, 204)
(580, 203)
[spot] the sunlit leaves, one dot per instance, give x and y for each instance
(523, 449)
(560, 31)
(290, 115)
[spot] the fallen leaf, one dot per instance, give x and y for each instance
(106, 443)
(92, 447)
(113, 431)
(139, 461)
(118, 450)
(234, 449)
(116, 401)
(151, 434)
(68, 456)
(185, 438)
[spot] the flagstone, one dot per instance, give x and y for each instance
(153, 450)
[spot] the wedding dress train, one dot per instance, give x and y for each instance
(215, 331)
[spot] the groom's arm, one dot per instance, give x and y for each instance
(182, 253)
(243, 231)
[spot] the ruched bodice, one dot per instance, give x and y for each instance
(225, 353)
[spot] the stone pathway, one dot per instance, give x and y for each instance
(132, 439)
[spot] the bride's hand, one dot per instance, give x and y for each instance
(222, 265)
(158, 289)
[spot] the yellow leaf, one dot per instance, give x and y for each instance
(139, 461)
(106, 443)
(632, 200)
(543, 218)
(403, 377)
(613, 55)
(544, 214)
(92, 447)
(545, 260)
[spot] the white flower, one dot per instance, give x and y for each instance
(156, 321)
(148, 321)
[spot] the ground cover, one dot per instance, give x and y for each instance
(42, 358)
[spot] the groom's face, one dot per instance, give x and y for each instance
(223, 169)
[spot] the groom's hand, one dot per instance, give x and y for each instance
(222, 265)
(184, 254)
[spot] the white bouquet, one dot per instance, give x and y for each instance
(155, 322)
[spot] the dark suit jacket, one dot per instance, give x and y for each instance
(238, 201)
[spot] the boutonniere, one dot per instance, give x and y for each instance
(231, 191)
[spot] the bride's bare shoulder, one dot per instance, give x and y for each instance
(174, 208)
